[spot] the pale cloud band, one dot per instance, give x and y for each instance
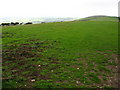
(58, 8)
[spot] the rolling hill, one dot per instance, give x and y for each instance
(99, 18)
(74, 54)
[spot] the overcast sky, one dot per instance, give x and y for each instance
(58, 8)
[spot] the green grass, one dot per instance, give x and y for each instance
(99, 18)
(60, 55)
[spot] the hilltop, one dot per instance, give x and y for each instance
(99, 18)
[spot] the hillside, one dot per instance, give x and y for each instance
(99, 18)
(60, 55)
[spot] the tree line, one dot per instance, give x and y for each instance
(14, 23)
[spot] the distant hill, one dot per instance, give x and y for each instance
(34, 20)
(99, 18)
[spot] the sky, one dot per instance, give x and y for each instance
(57, 8)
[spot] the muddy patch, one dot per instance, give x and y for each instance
(22, 61)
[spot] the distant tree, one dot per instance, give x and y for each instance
(5, 24)
(28, 23)
(42, 22)
(12, 23)
(21, 23)
(17, 23)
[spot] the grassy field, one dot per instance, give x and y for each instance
(77, 54)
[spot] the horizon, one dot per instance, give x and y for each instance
(34, 19)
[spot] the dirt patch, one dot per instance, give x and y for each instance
(54, 60)
(17, 58)
(75, 66)
(108, 68)
(19, 54)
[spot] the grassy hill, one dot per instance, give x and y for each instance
(99, 18)
(61, 55)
